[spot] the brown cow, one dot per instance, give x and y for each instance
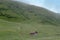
(34, 33)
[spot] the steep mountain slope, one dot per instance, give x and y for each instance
(21, 12)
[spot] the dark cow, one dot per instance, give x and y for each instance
(34, 33)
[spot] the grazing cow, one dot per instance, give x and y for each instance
(34, 33)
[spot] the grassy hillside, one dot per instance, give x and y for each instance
(20, 12)
(18, 19)
(20, 31)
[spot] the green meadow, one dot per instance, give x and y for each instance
(21, 31)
